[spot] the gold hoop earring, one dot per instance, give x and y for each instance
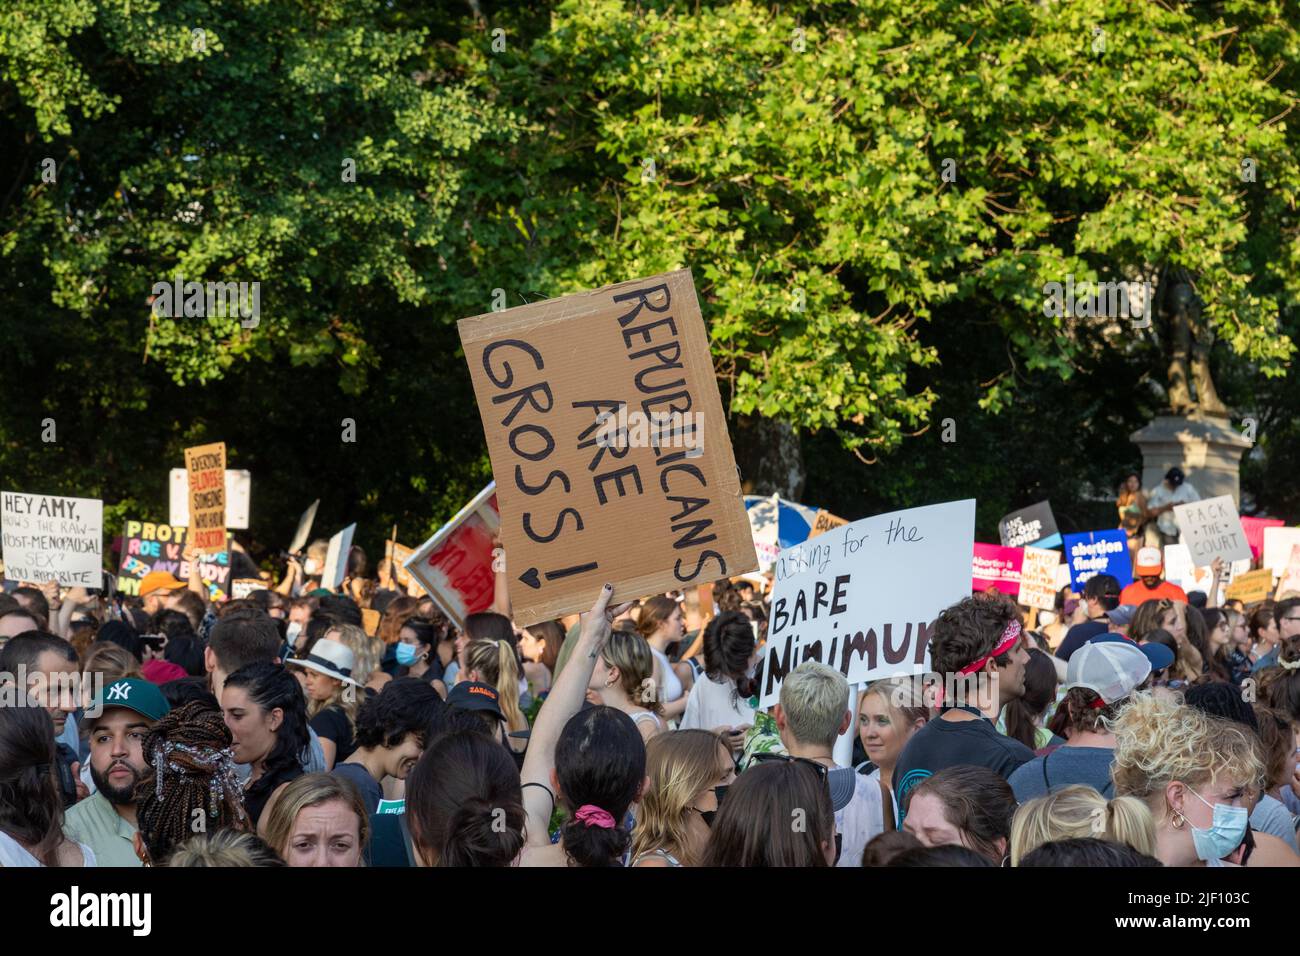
(1179, 821)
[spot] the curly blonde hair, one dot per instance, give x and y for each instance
(1080, 811)
(1159, 740)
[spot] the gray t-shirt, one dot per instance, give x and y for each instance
(1062, 767)
(1270, 816)
(368, 786)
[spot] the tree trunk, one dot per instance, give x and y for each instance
(769, 456)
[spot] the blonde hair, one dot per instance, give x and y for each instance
(345, 697)
(112, 660)
(496, 662)
(1080, 811)
(814, 699)
(902, 695)
(680, 765)
(310, 790)
(223, 848)
(367, 651)
(1159, 740)
(630, 653)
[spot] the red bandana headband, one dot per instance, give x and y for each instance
(1010, 634)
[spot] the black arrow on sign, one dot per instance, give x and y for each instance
(533, 580)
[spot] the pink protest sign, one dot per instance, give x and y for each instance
(1254, 528)
(993, 566)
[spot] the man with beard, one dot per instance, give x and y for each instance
(106, 821)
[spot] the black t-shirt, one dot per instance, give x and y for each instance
(332, 724)
(949, 743)
(256, 796)
(1080, 635)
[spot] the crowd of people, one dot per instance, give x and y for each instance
(358, 726)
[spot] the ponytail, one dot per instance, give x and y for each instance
(600, 762)
(495, 660)
(481, 832)
(464, 802)
(508, 686)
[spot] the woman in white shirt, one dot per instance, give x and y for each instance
(725, 699)
(661, 624)
(889, 712)
(31, 813)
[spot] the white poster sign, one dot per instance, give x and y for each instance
(52, 538)
(239, 490)
(864, 597)
(1211, 529)
(336, 559)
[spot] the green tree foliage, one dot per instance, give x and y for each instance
(872, 197)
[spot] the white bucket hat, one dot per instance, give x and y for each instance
(331, 659)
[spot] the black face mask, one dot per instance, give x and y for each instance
(719, 794)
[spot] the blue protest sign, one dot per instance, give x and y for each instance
(1098, 552)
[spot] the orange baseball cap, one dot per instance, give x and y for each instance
(159, 581)
(1148, 563)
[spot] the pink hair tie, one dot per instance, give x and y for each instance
(594, 816)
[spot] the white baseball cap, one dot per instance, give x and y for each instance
(1111, 669)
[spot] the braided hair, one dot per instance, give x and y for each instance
(192, 787)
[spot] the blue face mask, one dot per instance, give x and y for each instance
(406, 654)
(1225, 833)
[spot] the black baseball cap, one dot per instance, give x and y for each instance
(1175, 476)
(471, 695)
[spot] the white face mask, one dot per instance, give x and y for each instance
(1046, 617)
(292, 631)
(310, 568)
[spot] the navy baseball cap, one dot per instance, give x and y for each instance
(1159, 655)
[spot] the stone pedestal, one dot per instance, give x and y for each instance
(1207, 448)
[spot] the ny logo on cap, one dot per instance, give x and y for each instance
(119, 692)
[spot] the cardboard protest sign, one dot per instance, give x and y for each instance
(399, 554)
(993, 566)
(52, 538)
(158, 547)
(455, 565)
(825, 521)
(239, 491)
(1211, 529)
(608, 444)
(1098, 552)
(864, 597)
(1254, 528)
(1278, 543)
(1038, 578)
(206, 467)
(305, 522)
(1289, 583)
(336, 558)
(1251, 587)
(243, 587)
(1180, 569)
(1035, 525)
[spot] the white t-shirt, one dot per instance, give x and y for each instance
(861, 821)
(712, 704)
(1181, 495)
(14, 854)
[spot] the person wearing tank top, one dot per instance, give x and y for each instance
(662, 624)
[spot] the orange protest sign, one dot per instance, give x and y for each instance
(825, 521)
(205, 466)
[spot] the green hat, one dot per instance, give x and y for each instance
(320, 592)
(132, 693)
